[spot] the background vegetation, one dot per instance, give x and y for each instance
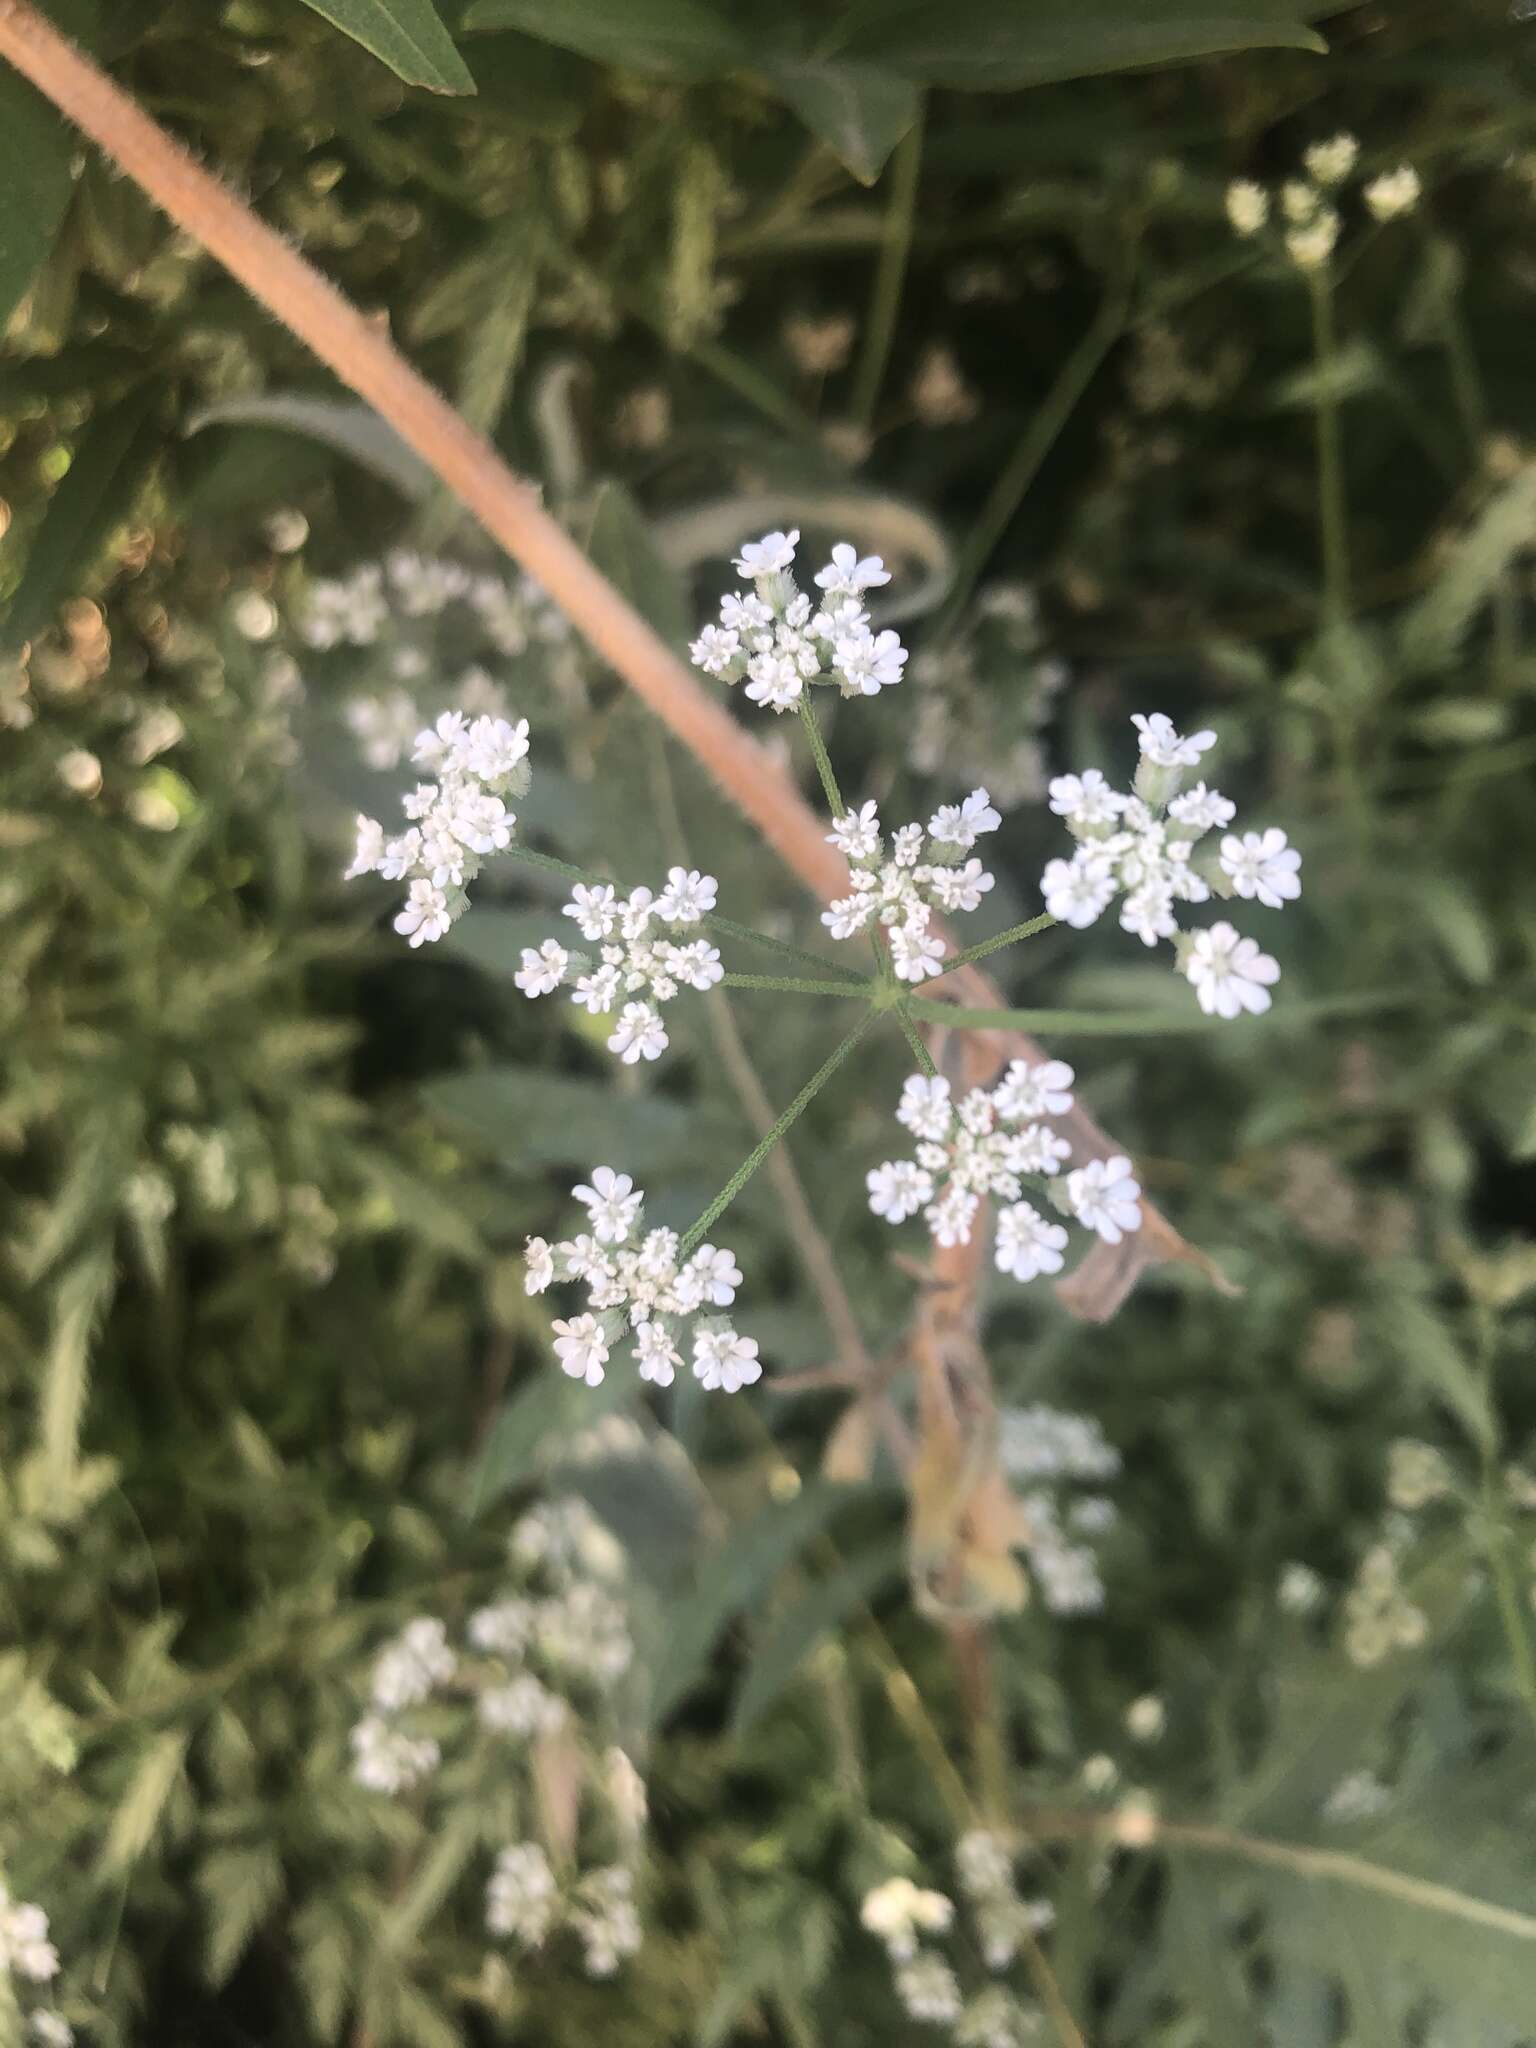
(954, 281)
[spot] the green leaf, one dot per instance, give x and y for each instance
(35, 151)
(493, 939)
(621, 543)
(407, 35)
(652, 1505)
(999, 45)
(240, 1887)
(679, 36)
(797, 1631)
(344, 424)
(533, 1429)
(859, 110)
(542, 1119)
(736, 1580)
(111, 463)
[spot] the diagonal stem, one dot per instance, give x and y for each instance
(786, 1119)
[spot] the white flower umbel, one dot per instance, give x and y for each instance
(989, 1144)
(1394, 193)
(25, 1950)
(641, 1287)
(1247, 206)
(648, 949)
(779, 639)
(899, 890)
(455, 821)
(898, 1911)
(1331, 162)
(1143, 848)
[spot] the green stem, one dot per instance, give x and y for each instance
(1148, 1023)
(787, 1118)
(1332, 514)
(1011, 937)
(791, 985)
(1511, 1609)
(822, 758)
(1041, 435)
(920, 1051)
(890, 275)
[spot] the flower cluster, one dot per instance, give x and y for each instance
(779, 639)
(1378, 1615)
(645, 1284)
(27, 1954)
(1313, 222)
(643, 954)
(1142, 847)
(455, 821)
(900, 1913)
(543, 1660)
(900, 888)
(1049, 1450)
(988, 1144)
(354, 610)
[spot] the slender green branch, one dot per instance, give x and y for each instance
(823, 759)
(890, 275)
(1512, 1610)
(1041, 435)
(914, 1039)
(787, 1118)
(790, 985)
(1150, 1023)
(1011, 937)
(1332, 512)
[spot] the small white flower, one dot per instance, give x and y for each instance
(538, 1266)
(595, 909)
(639, 1034)
(698, 964)
(925, 1107)
(723, 1360)
(775, 680)
(1027, 1091)
(962, 824)
(51, 2029)
(1393, 193)
(1299, 201)
(1077, 891)
(1085, 800)
(1228, 973)
(1201, 809)
(1247, 206)
(951, 1216)
(369, 853)
(857, 834)
(869, 662)
(916, 953)
(543, 971)
(898, 1189)
(849, 575)
(766, 557)
(598, 991)
(688, 896)
(715, 649)
(1330, 163)
(898, 1909)
(717, 1274)
(612, 1201)
(848, 915)
(657, 1355)
(1310, 246)
(582, 1348)
(961, 888)
(1165, 747)
(1027, 1244)
(1105, 1197)
(426, 915)
(1261, 864)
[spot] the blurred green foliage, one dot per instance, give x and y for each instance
(268, 1382)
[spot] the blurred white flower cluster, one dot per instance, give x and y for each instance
(29, 1957)
(1312, 221)
(901, 887)
(988, 1144)
(643, 951)
(778, 639)
(455, 821)
(1142, 847)
(1050, 1451)
(357, 609)
(643, 1286)
(538, 1665)
(911, 1921)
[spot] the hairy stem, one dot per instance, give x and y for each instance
(790, 986)
(786, 1119)
(1011, 937)
(823, 759)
